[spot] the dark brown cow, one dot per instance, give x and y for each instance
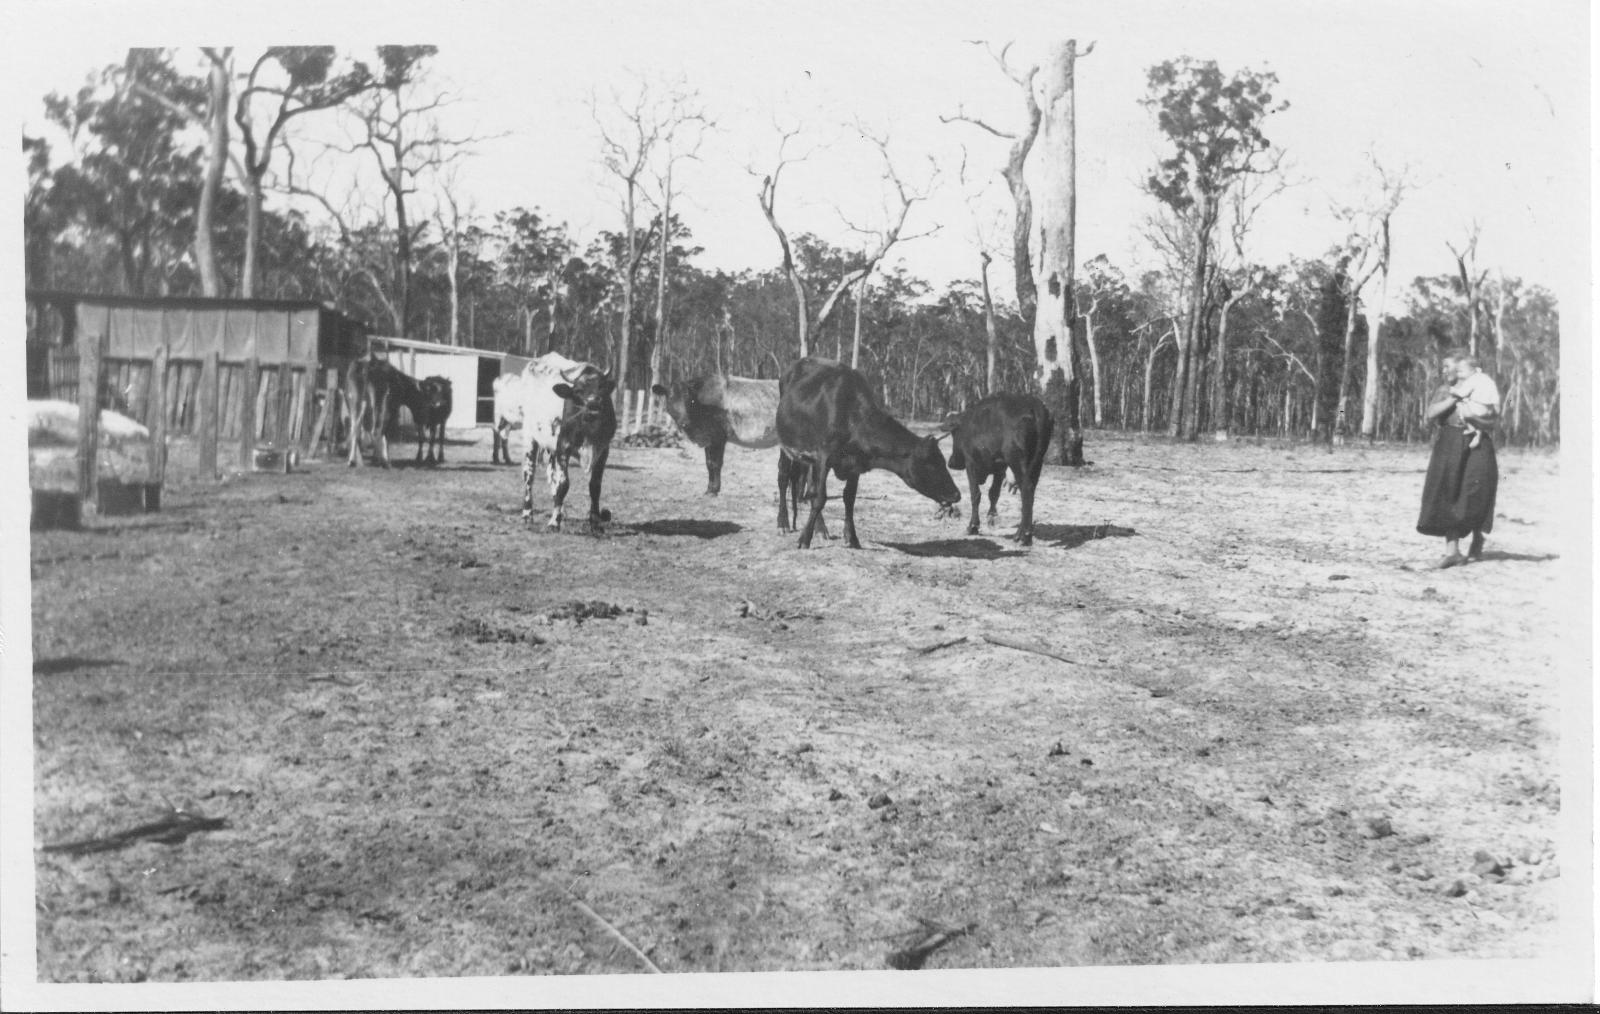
(436, 405)
(374, 390)
(1002, 431)
(829, 420)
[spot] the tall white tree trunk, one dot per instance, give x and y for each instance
(1052, 170)
(1374, 388)
(216, 159)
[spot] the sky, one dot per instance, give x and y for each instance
(1482, 106)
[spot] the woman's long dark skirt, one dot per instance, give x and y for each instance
(1458, 494)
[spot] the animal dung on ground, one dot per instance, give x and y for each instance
(879, 800)
(577, 611)
(485, 632)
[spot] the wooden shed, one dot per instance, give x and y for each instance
(221, 384)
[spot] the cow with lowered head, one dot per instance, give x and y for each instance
(829, 420)
(375, 392)
(565, 407)
(714, 411)
(999, 432)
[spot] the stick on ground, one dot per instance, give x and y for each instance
(1037, 649)
(930, 649)
(615, 933)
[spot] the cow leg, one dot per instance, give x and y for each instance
(1025, 481)
(597, 473)
(559, 482)
(529, 465)
(441, 443)
(994, 492)
(819, 493)
(974, 489)
(714, 466)
(501, 449)
(356, 416)
(850, 512)
(788, 491)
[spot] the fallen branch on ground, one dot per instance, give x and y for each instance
(170, 830)
(1037, 649)
(615, 933)
(930, 649)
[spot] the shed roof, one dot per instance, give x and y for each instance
(183, 302)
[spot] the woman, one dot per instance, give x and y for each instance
(1458, 494)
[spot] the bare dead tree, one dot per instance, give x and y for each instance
(1471, 281)
(1367, 247)
(680, 141)
(1242, 276)
(903, 197)
(883, 238)
(398, 127)
(1045, 236)
(630, 130)
(768, 198)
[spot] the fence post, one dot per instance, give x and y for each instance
(158, 431)
(210, 422)
(247, 411)
(285, 400)
(91, 369)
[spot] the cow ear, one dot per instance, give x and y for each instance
(607, 383)
(933, 445)
(658, 390)
(562, 390)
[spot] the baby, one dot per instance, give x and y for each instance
(1476, 396)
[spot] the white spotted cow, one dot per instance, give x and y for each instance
(566, 406)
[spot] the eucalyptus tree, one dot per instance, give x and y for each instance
(1212, 124)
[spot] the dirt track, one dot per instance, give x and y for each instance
(1275, 737)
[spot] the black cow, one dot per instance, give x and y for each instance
(374, 391)
(436, 405)
(1002, 431)
(828, 419)
(715, 410)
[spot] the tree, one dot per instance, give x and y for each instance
(283, 83)
(1366, 248)
(681, 141)
(397, 125)
(1214, 126)
(856, 269)
(637, 126)
(132, 180)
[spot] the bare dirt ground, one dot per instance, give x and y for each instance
(1274, 735)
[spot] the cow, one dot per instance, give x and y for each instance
(829, 419)
(375, 390)
(1002, 431)
(565, 406)
(715, 410)
(436, 404)
(508, 392)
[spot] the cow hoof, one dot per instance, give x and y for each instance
(972, 529)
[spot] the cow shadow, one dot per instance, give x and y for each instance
(1073, 536)
(688, 526)
(963, 549)
(69, 663)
